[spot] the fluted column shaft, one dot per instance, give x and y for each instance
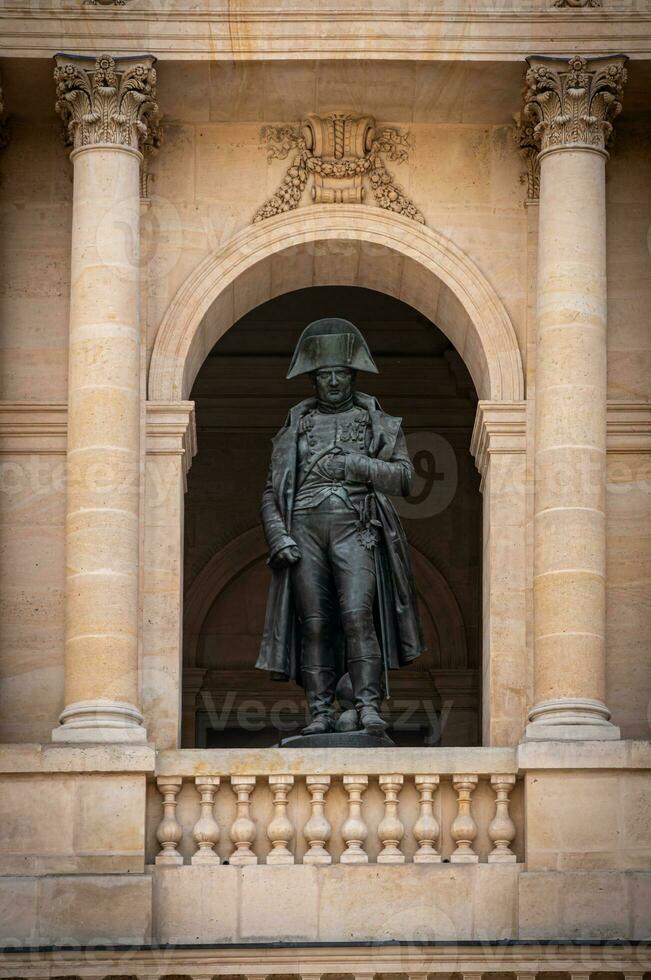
(572, 104)
(105, 103)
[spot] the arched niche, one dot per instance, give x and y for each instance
(343, 245)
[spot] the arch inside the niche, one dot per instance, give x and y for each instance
(339, 245)
(251, 547)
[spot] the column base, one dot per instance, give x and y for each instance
(570, 719)
(100, 721)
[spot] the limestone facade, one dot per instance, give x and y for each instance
(478, 182)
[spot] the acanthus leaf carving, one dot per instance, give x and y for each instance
(573, 102)
(577, 3)
(529, 150)
(106, 99)
(338, 152)
(150, 146)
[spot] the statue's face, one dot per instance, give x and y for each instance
(334, 386)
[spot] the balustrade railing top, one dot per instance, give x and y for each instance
(386, 806)
(443, 761)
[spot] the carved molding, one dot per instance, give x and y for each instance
(577, 3)
(171, 431)
(33, 427)
(106, 99)
(500, 427)
(573, 102)
(149, 147)
(529, 150)
(339, 152)
(41, 427)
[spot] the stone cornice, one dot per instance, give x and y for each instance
(105, 99)
(628, 427)
(171, 431)
(500, 427)
(573, 102)
(29, 427)
(249, 960)
(32, 427)
(293, 29)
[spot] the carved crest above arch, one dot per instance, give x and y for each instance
(340, 153)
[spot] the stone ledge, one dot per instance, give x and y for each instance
(634, 754)
(333, 30)
(249, 962)
(42, 758)
(335, 762)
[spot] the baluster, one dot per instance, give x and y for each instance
(354, 831)
(206, 829)
(426, 828)
(464, 828)
(280, 830)
(243, 829)
(170, 831)
(391, 829)
(501, 829)
(317, 829)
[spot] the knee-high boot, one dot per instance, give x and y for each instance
(366, 677)
(319, 684)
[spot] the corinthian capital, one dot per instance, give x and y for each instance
(105, 99)
(573, 102)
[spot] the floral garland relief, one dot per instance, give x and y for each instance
(338, 152)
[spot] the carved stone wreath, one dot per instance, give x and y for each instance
(338, 152)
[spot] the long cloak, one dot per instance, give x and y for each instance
(396, 610)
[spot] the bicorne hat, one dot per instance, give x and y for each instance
(331, 342)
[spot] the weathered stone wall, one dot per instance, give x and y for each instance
(209, 177)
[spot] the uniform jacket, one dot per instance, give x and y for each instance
(396, 613)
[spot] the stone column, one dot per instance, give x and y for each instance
(106, 104)
(571, 104)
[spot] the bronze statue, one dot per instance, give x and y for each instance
(342, 598)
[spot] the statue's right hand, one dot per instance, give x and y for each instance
(288, 556)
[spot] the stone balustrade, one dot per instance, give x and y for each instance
(284, 807)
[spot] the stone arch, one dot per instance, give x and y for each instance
(342, 245)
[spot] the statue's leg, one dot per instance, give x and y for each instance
(353, 567)
(314, 597)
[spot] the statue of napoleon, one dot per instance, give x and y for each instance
(342, 598)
